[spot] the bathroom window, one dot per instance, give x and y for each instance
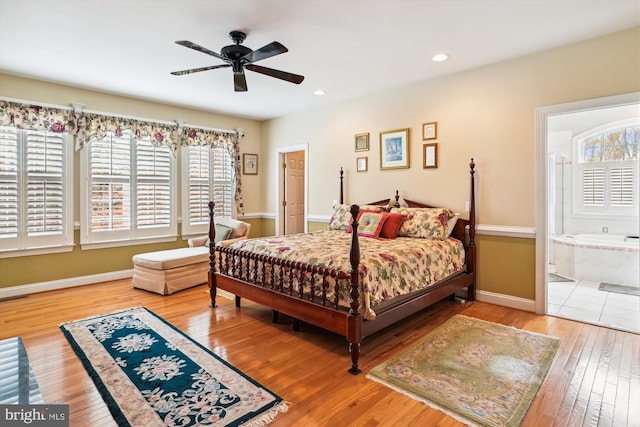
(608, 171)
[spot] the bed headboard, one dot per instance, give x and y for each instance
(459, 231)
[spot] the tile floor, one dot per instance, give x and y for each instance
(584, 302)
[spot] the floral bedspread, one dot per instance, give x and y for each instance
(388, 268)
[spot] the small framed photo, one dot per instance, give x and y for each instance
(362, 164)
(430, 156)
(394, 149)
(250, 164)
(362, 142)
(429, 130)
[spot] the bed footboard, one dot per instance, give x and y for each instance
(303, 291)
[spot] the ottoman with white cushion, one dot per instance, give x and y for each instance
(169, 271)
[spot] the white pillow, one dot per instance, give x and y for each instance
(452, 223)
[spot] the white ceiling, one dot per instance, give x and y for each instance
(347, 47)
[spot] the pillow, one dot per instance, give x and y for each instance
(223, 232)
(392, 225)
(341, 217)
(373, 208)
(424, 223)
(370, 223)
(350, 228)
(452, 223)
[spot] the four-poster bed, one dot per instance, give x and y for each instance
(364, 292)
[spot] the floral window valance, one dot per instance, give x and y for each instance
(95, 127)
(87, 126)
(37, 117)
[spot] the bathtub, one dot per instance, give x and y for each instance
(606, 258)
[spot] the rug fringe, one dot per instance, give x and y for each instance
(267, 417)
(427, 402)
(99, 315)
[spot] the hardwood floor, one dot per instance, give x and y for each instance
(594, 379)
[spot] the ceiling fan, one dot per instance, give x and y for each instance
(239, 58)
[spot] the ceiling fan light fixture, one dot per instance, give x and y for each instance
(439, 57)
(319, 92)
(239, 57)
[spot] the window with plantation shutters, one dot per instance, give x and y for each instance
(36, 200)
(608, 171)
(208, 176)
(593, 187)
(130, 190)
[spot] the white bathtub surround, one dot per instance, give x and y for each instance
(598, 258)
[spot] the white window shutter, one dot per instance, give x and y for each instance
(621, 186)
(9, 167)
(110, 193)
(593, 186)
(45, 194)
(153, 185)
(198, 191)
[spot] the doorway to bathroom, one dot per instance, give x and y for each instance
(588, 257)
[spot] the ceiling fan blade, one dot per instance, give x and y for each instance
(283, 75)
(239, 81)
(272, 49)
(194, 46)
(197, 70)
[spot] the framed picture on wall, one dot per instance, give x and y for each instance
(250, 164)
(362, 142)
(362, 164)
(394, 149)
(430, 130)
(430, 156)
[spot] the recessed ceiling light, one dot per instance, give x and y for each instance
(319, 92)
(440, 57)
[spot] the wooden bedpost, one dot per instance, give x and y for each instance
(471, 257)
(354, 319)
(397, 202)
(212, 257)
(341, 186)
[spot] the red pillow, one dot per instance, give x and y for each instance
(350, 228)
(392, 225)
(370, 223)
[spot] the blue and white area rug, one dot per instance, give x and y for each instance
(151, 374)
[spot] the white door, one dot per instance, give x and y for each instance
(294, 193)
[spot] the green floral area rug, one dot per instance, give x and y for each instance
(478, 372)
(151, 374)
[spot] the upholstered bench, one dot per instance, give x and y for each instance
(166, 272)
(172, 270)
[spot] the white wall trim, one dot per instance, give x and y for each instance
(257, 215)
(14, 291)
(319, 218)
(507, 300)
(506, 231)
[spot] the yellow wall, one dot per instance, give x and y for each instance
(486, 113)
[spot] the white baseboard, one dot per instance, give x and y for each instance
(32, 288)
(14, 291)
(506, 300)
